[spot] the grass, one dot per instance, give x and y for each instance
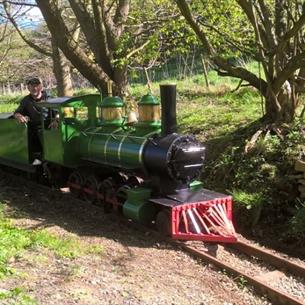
(14, 242)
(212, 112)
(8, 107)
(17, 296)
(217, 113)
(9, 103)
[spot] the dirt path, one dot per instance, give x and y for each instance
(134, 268)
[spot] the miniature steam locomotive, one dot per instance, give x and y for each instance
(144, 170)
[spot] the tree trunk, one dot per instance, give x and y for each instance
(61, 71)
(280, 107)
(121, 83)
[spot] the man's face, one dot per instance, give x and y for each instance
(35, 90)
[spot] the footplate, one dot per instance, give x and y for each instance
(201, 215)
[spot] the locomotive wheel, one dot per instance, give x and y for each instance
(106, 190)
(75, 182)
(122, 194)
(91, 187)
(53, 174)
(163, 222)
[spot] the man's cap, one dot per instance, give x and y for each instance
(34, 81)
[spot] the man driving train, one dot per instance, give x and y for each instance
(29, 112)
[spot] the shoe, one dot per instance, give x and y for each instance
(36, 162)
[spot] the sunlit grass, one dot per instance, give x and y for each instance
(249, 200)
(14, 240)
(10, 99)
(7, 107)
(214, 111)
(215, 116)
(17, 296)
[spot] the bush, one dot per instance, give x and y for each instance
(298, 221)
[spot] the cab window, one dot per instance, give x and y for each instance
(78, 113)
(81, 113)
(68, 112)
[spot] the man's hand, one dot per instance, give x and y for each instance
(21, 118)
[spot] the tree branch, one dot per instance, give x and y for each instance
(295, 63)
(223, 65)
(241, 73)
(4, 31)
(23, 37)
(121, 13)
(138, 49)
(292, 32)
(23, 3)
(260, 33)
(241, 48)
(105, 53)
(185, 11)
(70, 48)
(93, 35)
(266, 22)
(5, 51)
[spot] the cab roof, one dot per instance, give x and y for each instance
(76, 101)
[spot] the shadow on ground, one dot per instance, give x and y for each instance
(48, 208)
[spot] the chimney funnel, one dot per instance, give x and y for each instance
(168, 109)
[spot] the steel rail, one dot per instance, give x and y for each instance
(271, 258)
(276, 296)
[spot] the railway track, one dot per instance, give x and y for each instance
(261, 283)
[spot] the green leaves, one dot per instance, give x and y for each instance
(226, 26)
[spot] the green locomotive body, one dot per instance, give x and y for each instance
(144, 169)
(14, 148)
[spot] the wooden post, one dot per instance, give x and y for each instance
(22, 88)
(205, 72)
(9, 88)
(148, 82)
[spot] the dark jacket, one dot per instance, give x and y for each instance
(30, 107)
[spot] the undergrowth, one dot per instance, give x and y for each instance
(259, 179)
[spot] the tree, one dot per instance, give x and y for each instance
(102, 27)
(113, 34)
(276, 41)
(18, 60)
(15, 13)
